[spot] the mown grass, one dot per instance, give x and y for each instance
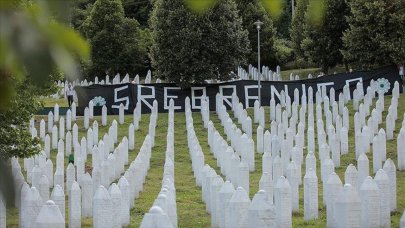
(190, 208)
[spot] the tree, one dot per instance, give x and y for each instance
(323, 41)
(251, 11)
(297, 28)
(190, 47)
(283, 24)
(138, 9)
(375, 36)
(114, 40)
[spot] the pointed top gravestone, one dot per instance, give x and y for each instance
(50, 216)
(156, 218)
(261, 212)
(239, 207)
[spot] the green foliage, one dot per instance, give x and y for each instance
(138, 9)
(323, 39)
(282, 25)
(251, 11)
(283, 50)
(297, 28)
(15, 138)
(189, 47)
(32, 44)
(114, 40)
(375, 35)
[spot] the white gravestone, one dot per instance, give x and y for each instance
(310, 195)
(351, 176)
(70, 177)
(266, 184)
(261, 212)
(239, 207)
(75, 208)
(332, 189)
(382, 180)
(347, 208)
(224, 196)
(390, 170)
(58, 197)
(282, 202)
(116, 200)
(370, 203)
(33, 203)
(156, 218)
(102, 208)
(50, 216)
(44, 188)
(87, 195)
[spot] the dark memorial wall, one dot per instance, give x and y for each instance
(129, 94)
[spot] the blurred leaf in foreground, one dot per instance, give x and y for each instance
(274, 8)
(33, 43)
(316, 11)
(200, 6)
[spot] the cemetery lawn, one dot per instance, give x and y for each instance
(190, 208)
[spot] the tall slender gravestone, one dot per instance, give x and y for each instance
(363, 168)
(310, 195)
(401, 149)
(243, 176)
(104, 116)
(239, 207)
(44, 188)
(347, 208)
(332, 189)
(50, 216)
(116, 199)
(33, 203)
(131, 137)
(70, 177)
(87, 195)
(266, 184)
(75, 208)
(351, 176)
(58, 196)
(121, 114)
(125, 204)
(382, 180)
(391, 171)
(102, 208)
(282, 203)
(224, 196)
(370, 203)
(292, 176)
(261, 212)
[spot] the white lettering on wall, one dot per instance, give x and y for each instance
(142, 97)
(194, 97)
(248, 97)
(227, 98)
(168, 97)
(120, 100)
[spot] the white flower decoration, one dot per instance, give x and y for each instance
(382, 85)
(99, 101)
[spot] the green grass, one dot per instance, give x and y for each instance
(190, 208)
(303, 73)
(50, 102)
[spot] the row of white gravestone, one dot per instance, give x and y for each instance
(71, 170)
(230, 208)
(166, 199)
(74, 198)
